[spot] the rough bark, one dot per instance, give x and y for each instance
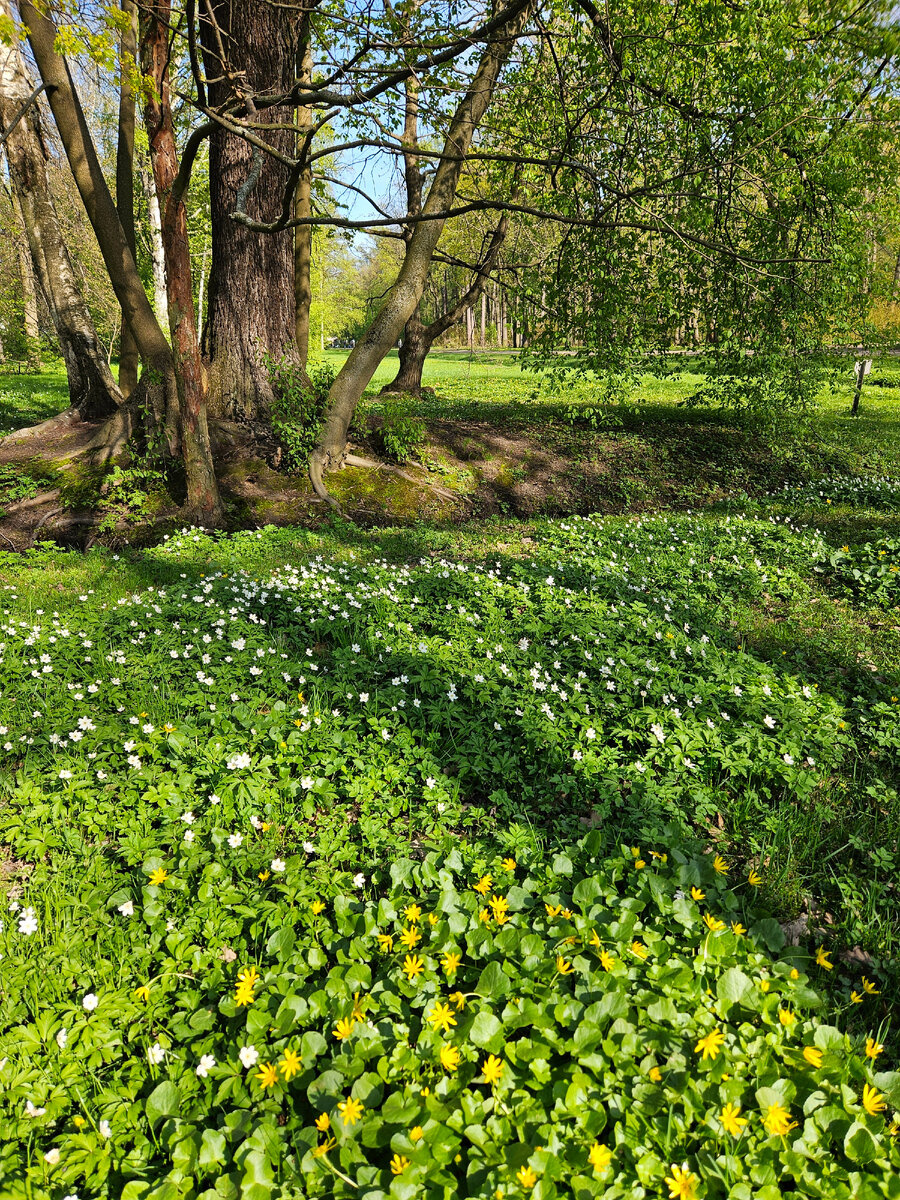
(203, 489)
(249, 49)
(117, 257)
(303, 208)
(29, 309)
(92, 389)
(128, 351)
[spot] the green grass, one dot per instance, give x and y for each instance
(27, 399)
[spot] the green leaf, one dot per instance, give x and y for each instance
(492, 982)
(769, 932)
(562, 864)
(734, 987)
(859, 1144)
(163, 1101)
(213, 1152)
(486, 1031)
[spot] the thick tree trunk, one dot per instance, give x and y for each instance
(303, 208)
(406, 292)
(92, 390)
(117, 256)
(128, 351)
(413, 351)
(251, 307)
(203, 492)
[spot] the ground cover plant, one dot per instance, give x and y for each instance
(205, 738)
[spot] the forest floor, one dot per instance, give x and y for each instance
(495, 441)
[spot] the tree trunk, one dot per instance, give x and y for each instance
(157, 250)
(119, 261)
(303, 208)
(92, 389)
(29, 309)
(413, 351)
(128, 351)
(203, 492)
(406, 292)
(251, 308)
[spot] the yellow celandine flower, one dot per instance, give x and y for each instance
(777, 1120)
(500, 905)
(351, 1110)
(813, 1056)
(344, 1028)
(639, 864)
(263, 875)
(385, 942)
(639, 949)
(662, 857)
(737, 928)
(459, 1000)
(399, 1164)
(856, 997)
(563, 967)
(416, 1133)
(655, 1075)
(599, 1157)
(328, 1144)
(317, 906)
(870, 987)
(484, 916)
(822, 959)
(265, 826)
(142, 993)
(159, 876)
(484, 885)
(872, 1101)
(764, 984)
(413, 966)
(595, 939)
(713, 924)
(753, 879)
(553, 910)
(358, 1013)
(441, 1017)
(710, 1045)
(720, 866)
(682, 1183)
(509, 864)
(894, 1127)
(873, 1048)
(698, 893)
(79, 1122)
(169, 728)
(432, 919)
(412, 913)
(731, 1122)
(492, 1068)
(323, 1122)
(526, 1177)
(267, 1076)
(607, 962)
(635, 852)
(450, 961)
(243, 990)
(290, 1064)
(786, 1017)
(409, 937)
(567, 913)
(795, 974)
(449, 1058)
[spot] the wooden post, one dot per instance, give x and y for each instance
(863, 367)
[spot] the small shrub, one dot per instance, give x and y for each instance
(402, 432)
(299, 405)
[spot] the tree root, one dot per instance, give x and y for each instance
(355, 460)
(60, 423)
(317, 465)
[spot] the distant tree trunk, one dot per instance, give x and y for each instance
(303, 208)
(29, 309)
(895, 281)
(155, 23)
(128, 351)
(483, 317)
(92, 389)
(251, 308)
(157, 250)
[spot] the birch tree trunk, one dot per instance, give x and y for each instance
(92, 389)
(303, 208)
(157, 250)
